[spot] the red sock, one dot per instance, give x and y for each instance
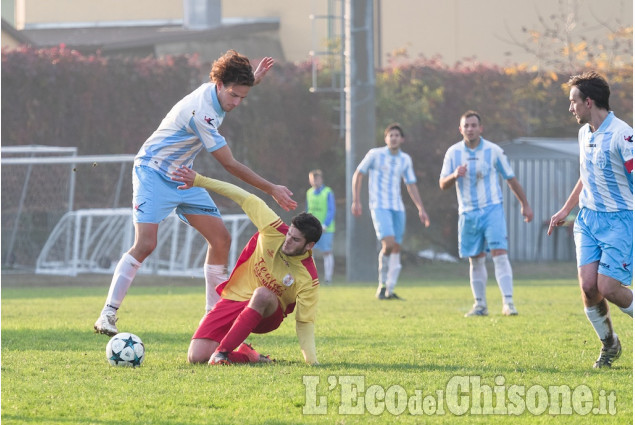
(246, 321)
(236, 357)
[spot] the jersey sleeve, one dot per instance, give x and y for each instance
(409, 176)
(205, 129)
(306, 304)
(448, 167)
(306, 338)
(367, 162)
(502, 164)
(625, 147)
(306, 310)
(258, 211)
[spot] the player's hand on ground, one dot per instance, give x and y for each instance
(263, 67)
(557, 220)
(282, 196)
(184, 175)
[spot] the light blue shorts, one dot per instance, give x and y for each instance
(482, 230)
(325, 244)
(155, 196)
(606, 237)
(389, 223)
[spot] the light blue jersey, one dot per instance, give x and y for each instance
(606, 164)
(479, 188)
(385, 172)
(190, 126)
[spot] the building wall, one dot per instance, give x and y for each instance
(454, 29)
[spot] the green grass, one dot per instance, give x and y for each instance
(54, 368)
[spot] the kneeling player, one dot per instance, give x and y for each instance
(275, 273)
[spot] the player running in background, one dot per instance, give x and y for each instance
(191, 126)
(320, 202)
(274, 275)
(472, 166)
(386, 167)
(603, 229)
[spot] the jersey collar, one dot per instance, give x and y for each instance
(216, 104)
(606, 122)
(478, 147)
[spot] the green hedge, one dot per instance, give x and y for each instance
(111, 105)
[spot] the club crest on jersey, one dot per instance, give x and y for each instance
(209, 120)
(600, 159)
(629, 139)
(288, 280)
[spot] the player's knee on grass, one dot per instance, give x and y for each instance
(201, 350)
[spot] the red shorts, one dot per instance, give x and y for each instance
(220, 319)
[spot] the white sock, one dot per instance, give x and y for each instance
(122, 278)
(394, 267)
(383, 269)
(328, 267)
(628, 310)
(504, 277)
(215, 274)
(478, 280)
(600, 319)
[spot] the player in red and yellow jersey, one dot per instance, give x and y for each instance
(274, 275)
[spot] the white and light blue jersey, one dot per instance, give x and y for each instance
(606, 166)
(385, 172)
(479, 188)
(190, 126)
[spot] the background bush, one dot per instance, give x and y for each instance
(102, 105)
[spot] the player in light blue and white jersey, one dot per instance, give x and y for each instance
(190, 127)
(386, 167)
(603, 229)
(473, 166)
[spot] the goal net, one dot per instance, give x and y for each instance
(68, 214)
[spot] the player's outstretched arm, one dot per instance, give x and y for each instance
(280, 194)
(191, 178)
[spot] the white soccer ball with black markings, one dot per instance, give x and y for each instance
(125, 349)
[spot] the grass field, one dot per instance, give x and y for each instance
(414, 361)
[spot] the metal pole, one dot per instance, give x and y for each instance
(361, 244)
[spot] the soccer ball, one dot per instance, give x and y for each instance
(125, 349)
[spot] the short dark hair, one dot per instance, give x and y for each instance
(232, 68)
(592, 85)
(471, 113)
(394, 126)
(308, 225)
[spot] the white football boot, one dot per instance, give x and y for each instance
(106, 324)
(509, 310)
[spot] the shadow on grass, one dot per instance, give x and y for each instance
(75, 340)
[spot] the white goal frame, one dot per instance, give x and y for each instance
(92, 240)
(76, 246)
